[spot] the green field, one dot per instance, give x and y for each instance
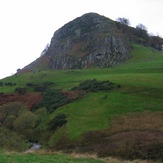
(144, 69)
(44, 158)
(55, 158)
(141, 80)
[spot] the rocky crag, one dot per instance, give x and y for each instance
(88, 41)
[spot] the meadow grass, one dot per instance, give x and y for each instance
(95, 110)
(42, 158)
(143, 69)
(141, 81)
(46, 157)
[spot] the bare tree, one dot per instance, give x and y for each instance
(124, 21)
(141, 27)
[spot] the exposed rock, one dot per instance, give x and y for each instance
(90, 40)
(33, 147)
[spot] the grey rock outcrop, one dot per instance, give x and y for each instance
(88, 41)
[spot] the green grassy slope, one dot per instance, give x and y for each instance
(144, 69)
(142, 90)
(94, 111)
(56, 158)
(133, 111)
(45, 158)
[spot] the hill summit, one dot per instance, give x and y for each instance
(87, 41)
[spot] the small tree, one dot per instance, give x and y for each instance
(25, 124)
(9, 122)
(41, 112)
(45, 50)
(20, 90)
(141, 27)
(2, 117)
(13, 108)
(124, 21)
(1, 83)
(58, 121)
(18, 70)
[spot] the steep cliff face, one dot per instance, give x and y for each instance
(90, 40)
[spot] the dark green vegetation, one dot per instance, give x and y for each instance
(53, 99)
(17, 126)
(127, 115)
(94, 86)
(58, 121)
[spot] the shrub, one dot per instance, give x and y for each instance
(40, 87)
(58, 121)
(9, 121)
(16, 117)
(12, 108)
(12, 141)
(1, 83)
(29, 84)
(61, 141)
(20, 90)
(118, 86)
(41, 112)
(10, 84)
(123, 21)
(25, 124)
(2, 117)
(56, 98)
(94, 85)
(53, 99)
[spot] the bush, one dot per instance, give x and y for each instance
(58, 121)
(40, 87)
(141, 27)
(53, 99)
(10, 140)
(41, 112)
(9, 122)
(20, 90)
(61, 141)
(29, 84)
(94, 86)
(16, 117)
(1, 83)
(123, 21)
(25, 124)
(2, 117)
(10, 84)
(12, 108)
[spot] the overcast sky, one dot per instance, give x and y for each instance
(26, 26)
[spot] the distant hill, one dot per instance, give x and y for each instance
(109, 112)
(88, 41)
(91, 118)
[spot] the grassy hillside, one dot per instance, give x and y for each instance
(141, 91)
(144, 69)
